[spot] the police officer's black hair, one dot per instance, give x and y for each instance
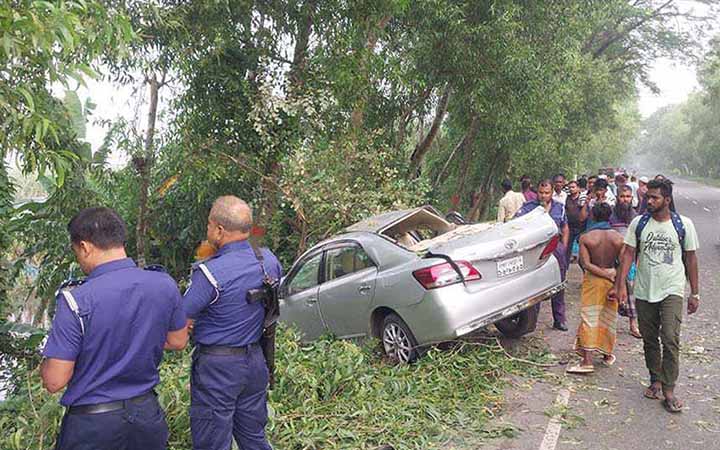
(506, 185)
(601, 212)
(101, 226)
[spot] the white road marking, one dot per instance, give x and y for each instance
(706, 209)
(694, 202)
(552, 434)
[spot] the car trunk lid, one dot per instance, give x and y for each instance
(498, 251)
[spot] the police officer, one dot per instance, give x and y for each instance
(107, 340)
(229, 377)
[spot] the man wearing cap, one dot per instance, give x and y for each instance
(107, 340)
(229, 375)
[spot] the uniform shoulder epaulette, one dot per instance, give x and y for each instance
(70, 283)
(196, 264)
(156, 268)
(65, 290)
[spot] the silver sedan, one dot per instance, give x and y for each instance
(411, 278)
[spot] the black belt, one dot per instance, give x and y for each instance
(223, 350)
(109, 406)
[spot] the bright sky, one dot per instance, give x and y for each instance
(674, 79)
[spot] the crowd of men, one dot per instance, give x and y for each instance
(636, 253)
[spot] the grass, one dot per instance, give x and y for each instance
(333, 394)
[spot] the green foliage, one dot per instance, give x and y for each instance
(330, 395)
(45, 42)
(685, 138)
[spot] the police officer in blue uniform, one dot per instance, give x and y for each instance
(229, 377)
(107, 341)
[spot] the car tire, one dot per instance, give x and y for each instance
(519, 324)
(397, 340)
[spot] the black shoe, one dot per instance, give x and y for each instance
(560, 326)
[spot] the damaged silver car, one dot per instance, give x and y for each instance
(411, 279)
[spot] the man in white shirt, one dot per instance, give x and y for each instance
(559, 194)
(510, 203)
(609, 195)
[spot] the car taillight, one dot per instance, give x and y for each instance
(550, 247)
(444, 275)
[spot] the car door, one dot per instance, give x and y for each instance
(348, 290)
(299, 298)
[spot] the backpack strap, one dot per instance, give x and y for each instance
(204, 269)
(679, 228)
(644, 219)
(74, 307)
(677, 224)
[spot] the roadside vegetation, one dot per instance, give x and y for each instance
(330, 394)
(685, 138)
(318, 113)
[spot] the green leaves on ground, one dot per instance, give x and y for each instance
(330, 394)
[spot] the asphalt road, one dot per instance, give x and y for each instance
(606, 410)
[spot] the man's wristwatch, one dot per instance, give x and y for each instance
(695, 297)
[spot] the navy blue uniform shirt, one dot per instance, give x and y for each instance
(557, 211)
(127, 313)
(230, 320)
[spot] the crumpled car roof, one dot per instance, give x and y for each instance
(378, 223)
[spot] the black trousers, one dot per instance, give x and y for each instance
(138, 426)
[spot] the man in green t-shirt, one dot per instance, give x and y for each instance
(665, 259)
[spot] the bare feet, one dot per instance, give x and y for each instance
(609, 360)
(654, 391)
(672, 404)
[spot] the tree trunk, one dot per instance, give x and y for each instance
(272, 168)
(421, 149)
(484, 194)
(463, 146)
(143, 165)
(302, 44)
(357, 117)
(407, 115)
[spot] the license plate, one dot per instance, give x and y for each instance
(510, 266)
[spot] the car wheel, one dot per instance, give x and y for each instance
(519, 324)
(398, 341)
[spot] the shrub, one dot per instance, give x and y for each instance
(331, 394)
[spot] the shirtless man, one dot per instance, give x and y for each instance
(600, 247)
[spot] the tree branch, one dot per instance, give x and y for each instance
(469, 137)
(618, 36)
(423, 146)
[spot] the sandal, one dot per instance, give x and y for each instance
(579, 368)
(609, 360)
(653, 393)
(673, 405)
(635, 334)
